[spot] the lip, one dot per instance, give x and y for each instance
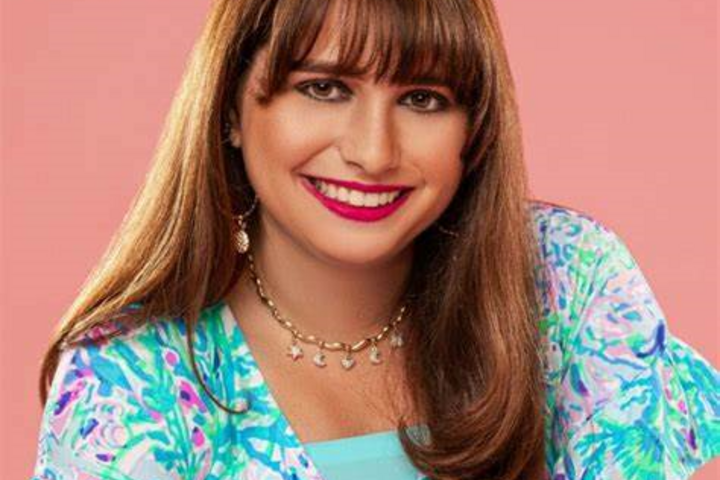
(351, 212)
(363, 187)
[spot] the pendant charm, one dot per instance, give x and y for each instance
(396, 340)
(319, 359)
(375, 358)
(348, 361)
(242, 240)
(294, 351)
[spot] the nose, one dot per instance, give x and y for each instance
(369, 139)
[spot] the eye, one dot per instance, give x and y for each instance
(324, 90)
(427, 101)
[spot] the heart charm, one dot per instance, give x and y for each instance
(375, 358)
(396, 340)
(347, 362)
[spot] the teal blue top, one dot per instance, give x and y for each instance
(353, 458)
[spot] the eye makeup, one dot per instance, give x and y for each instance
(335, 90)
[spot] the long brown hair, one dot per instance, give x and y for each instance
(472, 357)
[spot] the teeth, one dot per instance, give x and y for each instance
(354, 197)
(372, 200)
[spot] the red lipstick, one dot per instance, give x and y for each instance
(352, 212)
(363, 187)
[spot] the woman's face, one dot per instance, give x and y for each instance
(401, 140)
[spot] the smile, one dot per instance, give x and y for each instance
(365, 203)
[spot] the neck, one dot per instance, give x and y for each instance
(322, 297)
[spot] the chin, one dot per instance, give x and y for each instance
(358, 253)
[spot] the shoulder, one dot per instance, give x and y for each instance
(595, 293)
(152, 360)
(566, 234)
(129, 404)
(618, 381)
(130, 359)
(580, 257)
(582, 263)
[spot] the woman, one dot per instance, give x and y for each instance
(333, 270)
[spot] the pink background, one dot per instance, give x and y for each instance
(619, 103)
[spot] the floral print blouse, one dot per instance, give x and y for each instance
(625, 398)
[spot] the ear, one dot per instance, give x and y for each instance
(234, 134)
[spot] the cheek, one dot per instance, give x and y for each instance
(436, 146)
(278, 135)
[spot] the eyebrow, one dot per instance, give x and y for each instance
(332, 68)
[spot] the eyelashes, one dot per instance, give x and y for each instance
(334, 91)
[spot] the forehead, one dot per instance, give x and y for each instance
(356, 41)
(326, 47)
(395, 41)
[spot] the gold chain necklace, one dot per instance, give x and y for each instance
(319, 359)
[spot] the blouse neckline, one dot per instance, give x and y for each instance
(232, 328)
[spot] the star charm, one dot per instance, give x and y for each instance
(294, 351)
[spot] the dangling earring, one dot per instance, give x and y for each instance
(231, 136)
(242, 239)
(446, 231)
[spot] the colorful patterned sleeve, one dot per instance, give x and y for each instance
(112, 414)
(631, 401)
